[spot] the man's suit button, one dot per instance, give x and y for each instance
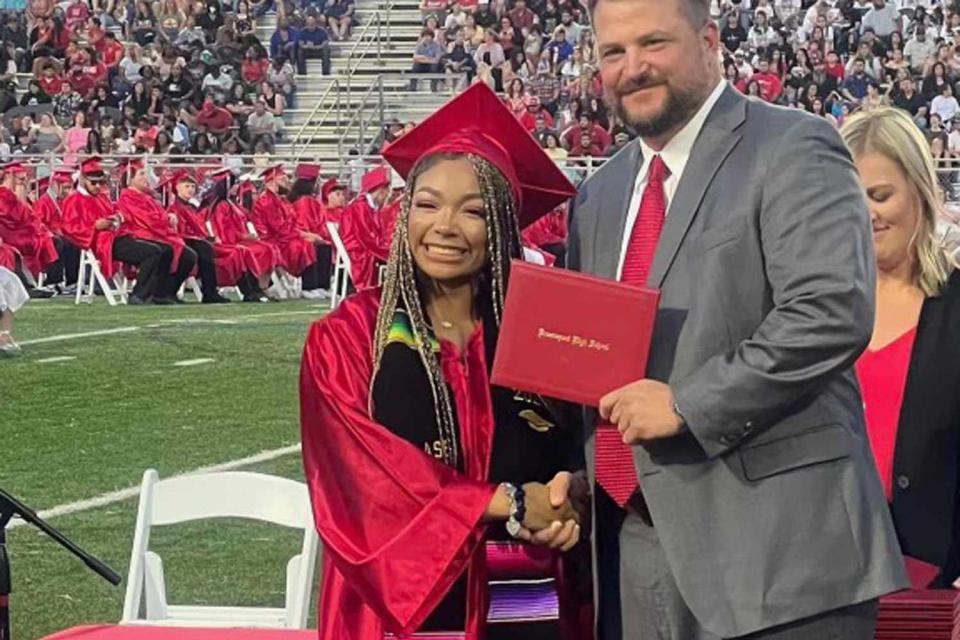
(747, 428)
(903, 482)
(726, 440)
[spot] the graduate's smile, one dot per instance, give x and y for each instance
(444, 253)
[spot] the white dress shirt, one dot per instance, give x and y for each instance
(674, 155)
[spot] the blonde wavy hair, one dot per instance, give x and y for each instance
(891, 133)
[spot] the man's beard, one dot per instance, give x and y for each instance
(678, 108)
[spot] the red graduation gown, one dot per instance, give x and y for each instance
(398, 526)
(330, 214)
(230, 229)
(550, 229)
(80, 212)
(145, 219)
(192, 225)
(277, 222)
(8, 256)
(20, 228)
(47, 211)
(364, 235)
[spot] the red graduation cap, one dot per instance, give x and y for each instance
(92, 167)
(244, 187)
(16, 168)
(329, 187)
(221, 174)
(308, 171)
(63, 175)
(271, 173)
(374, 179)
(42, 183)
(477, 122)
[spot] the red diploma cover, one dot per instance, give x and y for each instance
(571, 336)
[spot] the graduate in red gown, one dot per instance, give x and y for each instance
(53, 190)
(549, 234)
(145, 220)
(312, 216)
(413, 460)
(277, 222)
(217, 266)
(19, 226)
(333, 197)
(232, 227)
(363, 229)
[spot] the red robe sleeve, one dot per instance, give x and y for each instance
(145, 219)
(400, 526)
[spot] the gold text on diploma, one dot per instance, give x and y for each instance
(573, 340)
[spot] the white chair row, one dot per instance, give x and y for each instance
(249, 496)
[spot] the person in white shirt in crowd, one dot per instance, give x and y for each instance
(945, 104)
(873, 65)
(953, 140)
(744, 68)
(883, 17)
(919, 48)
(218, 81)
(819, 8)
(762, 35)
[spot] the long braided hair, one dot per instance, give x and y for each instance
(406, 288)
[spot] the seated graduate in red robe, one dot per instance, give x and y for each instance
(363, 229)
(312, 216)
(277, 223)
(91, 222)
(19, 227)
(53, 189)
(216, 266)
(147, 221)
(549, 234)
(413, 460)
(333, 197)
(232, 227)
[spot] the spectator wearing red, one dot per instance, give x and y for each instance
(521, 16)
(76, 14)
(50, 81)
(534, 112)
(770, 84)
(111, 50)
(835, 67)
(253, 69)
(145, 137)
(215, 118)
(586, 146)
(585, 125)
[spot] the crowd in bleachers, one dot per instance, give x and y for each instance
(829, 57)
(168, 77)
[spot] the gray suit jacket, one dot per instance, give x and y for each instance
(769, 508)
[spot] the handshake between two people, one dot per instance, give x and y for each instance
(556, 513)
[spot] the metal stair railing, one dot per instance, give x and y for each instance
(317, 116)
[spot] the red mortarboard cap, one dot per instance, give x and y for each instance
(477, 122)
(63, 175)
(308, 171)
(15, 168)
(43, 183)
(92, 167)
(172, 179)
(329, 187)
(374, 179)
(133, 164)
(221, 174)
(244, 186)
(271, 172)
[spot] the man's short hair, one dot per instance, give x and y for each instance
(697, 11)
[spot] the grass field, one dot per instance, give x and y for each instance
(111, 406)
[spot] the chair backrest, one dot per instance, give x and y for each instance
(342, 254)
(250, 496)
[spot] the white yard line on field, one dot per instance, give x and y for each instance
(193, 363)
(56, 359)
(173, 322)
(77, 336)
(113, 497)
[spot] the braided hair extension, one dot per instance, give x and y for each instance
(406, 287)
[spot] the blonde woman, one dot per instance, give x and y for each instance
(910, 372)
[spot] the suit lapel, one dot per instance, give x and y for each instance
(716, 140)
(612, 212)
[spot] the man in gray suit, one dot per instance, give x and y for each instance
(752, 508)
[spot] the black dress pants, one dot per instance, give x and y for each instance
(168, 284)
(147, 258)
(206, 267)
(67, 266)
(317, 276)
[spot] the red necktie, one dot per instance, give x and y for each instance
(615, 470)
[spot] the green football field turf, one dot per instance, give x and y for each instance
(75, 429)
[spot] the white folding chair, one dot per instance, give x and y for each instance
(341, 267)
(194, 286)
(188, 498)
(89, 276)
